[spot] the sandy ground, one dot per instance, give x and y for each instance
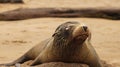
(17, 37)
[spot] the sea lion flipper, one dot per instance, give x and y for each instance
(19, 60)
(17, 65)
(35, 62)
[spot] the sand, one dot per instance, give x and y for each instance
(17, 37)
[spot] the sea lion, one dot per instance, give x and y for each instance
(70, 43)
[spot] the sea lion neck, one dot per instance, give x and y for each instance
(64, 44)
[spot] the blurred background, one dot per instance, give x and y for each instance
(17, 37)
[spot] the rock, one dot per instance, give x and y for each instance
(61, 64)
(58, 64)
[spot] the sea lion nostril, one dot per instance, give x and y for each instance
(85, 28)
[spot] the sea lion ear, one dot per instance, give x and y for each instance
(54, 34)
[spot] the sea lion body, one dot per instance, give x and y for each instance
(70, 43)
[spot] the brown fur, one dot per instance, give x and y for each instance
(70, 43)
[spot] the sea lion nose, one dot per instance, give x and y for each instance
(85, 28)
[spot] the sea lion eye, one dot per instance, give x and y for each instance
(66, 28)
(66, 31)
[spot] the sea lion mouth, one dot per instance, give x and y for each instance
(82, 36)
(81, 32)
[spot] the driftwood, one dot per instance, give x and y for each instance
(11, 1)
(27, 13)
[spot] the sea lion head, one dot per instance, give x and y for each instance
(71, 31)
